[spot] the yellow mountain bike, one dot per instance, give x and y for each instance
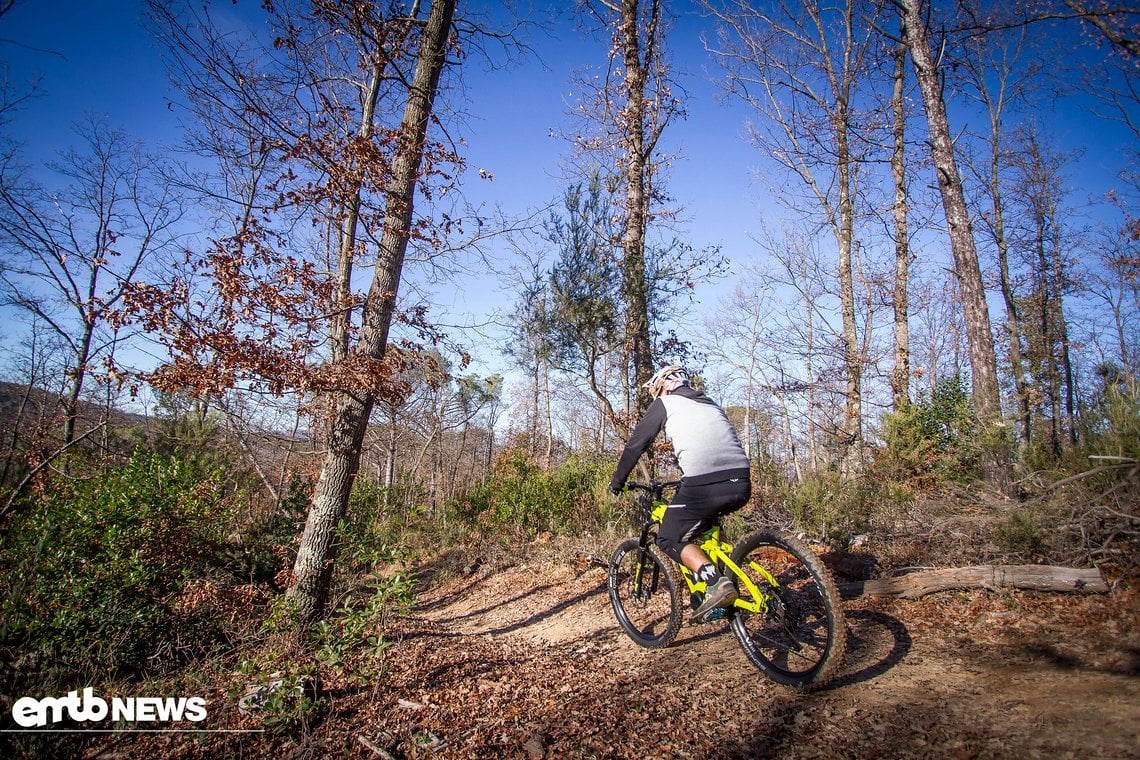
(788, 617)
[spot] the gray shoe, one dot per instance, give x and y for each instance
(721, 593)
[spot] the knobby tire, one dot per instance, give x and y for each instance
(802, 639)
(647, 604)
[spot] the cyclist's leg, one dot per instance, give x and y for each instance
(694, 508)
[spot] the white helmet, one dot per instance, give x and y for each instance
(666, 380)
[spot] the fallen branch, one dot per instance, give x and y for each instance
(377, 751)
(1032, 577)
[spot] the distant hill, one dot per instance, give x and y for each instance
(38, 404)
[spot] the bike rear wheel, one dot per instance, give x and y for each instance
(644, 588)
(802, 638)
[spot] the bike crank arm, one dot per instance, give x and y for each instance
(757, 601)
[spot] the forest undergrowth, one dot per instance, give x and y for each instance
(337, 689)
(112, 590)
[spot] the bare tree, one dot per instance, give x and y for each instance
(743, 336)
(296, 126)
(1040, 183)
(900, 374)
(804, 356)
(995, 70)
(312, 569)
(626, 116)
(736, 335)
(801, 65)
(1116, 282)
(983, 360)
(532, 348)
(1116, 21)
(937, 346)
(68, 254)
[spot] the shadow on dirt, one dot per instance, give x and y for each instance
(876, 642)
(551, 612)
(503, 615)
(1062, 660)
(498, 604)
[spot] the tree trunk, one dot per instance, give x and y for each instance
(809, 371)
(312, 570)
(390, 453)
(1013, 320)
(983, 361)
(900, 375)
(75, 386)
(634, 286)
(549, 418)
(1063, 333)
(535, 402)
(346, 246)
(851, 439)
(1048, 357)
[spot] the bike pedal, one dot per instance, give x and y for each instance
(713, 615)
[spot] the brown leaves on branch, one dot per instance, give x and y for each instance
(264, 324)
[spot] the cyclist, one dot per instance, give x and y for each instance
(714, 468)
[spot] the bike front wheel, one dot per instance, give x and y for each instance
(644, 588)
(800, 636)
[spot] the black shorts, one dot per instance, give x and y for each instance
(694, 508)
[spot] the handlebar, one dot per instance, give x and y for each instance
(654, 487)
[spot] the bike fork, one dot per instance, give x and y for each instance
(639, 580)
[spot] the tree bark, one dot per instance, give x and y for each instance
(995, 106)
(900, 375)
(312, 570)
(983, 360)
(851, 443)
(1060, 280)
(1013, 320)
(1031, 577)
(634, 287)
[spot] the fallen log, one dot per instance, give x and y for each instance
(1031, 577)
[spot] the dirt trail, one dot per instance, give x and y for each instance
(539, 668)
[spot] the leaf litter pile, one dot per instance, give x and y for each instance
(528, 662)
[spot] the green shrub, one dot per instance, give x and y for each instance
(522, 497)
(935, 438)
(265, 547)
(1022, 532)
(286, 698)
(93, 568)
(379, 524)
(825, 505)
(1115, 416)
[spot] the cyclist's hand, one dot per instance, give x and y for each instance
(616, 488)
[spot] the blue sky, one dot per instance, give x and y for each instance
(94, 57)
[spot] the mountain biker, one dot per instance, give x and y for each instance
(714, 469)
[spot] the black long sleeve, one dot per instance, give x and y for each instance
(639, 441)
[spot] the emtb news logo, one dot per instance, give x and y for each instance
(30, 712)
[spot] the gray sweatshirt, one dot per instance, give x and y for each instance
(704, 441)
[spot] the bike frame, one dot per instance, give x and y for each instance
(795, 633)
(719, 552)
